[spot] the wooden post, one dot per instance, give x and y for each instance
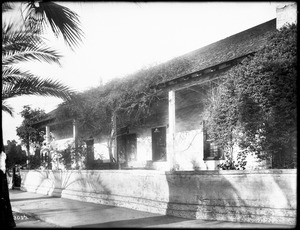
(75, 132)
(75, 136)
(47, 134)
(171, 149)
(114, 121)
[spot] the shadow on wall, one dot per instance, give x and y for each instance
(233, 196)
(194, 197)
(91, 188)
(262, 196)
(73, 184)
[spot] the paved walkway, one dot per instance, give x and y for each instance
(36, 210)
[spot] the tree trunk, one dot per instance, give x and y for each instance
(110, 149)
(112, 138)
(28, 153)
(111, 145)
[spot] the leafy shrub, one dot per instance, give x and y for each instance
(255, 106)
(15, 154)
(230, 164)
(72, 157)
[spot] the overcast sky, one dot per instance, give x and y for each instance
(121, 38)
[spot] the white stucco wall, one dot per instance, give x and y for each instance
(62, 144)
(260, 196)
(189, 150)
(188, 146)
(144, 145)
(101, 151)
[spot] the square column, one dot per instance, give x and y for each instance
(47, 134)
(171, 139)
(114, 142)
(75, 133)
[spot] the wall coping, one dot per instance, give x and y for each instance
(197, 172)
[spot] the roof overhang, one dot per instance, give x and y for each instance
(199, 76)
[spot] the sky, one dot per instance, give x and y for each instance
(123, 37)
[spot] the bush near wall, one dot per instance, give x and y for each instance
(255, 106)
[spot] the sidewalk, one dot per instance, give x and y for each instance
(24, 220)
(51, 212)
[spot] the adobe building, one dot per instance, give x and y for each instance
(174, 137)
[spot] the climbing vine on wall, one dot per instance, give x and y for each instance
(255, 107)
(127, 99)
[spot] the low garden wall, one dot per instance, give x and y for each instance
(262, 196)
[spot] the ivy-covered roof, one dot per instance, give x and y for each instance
(224, 50)
(229, 48)
(49, 117)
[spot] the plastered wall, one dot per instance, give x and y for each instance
(261, 196)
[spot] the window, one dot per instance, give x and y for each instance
(211, 150)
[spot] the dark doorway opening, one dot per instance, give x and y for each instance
(159, 144)
(126, 147)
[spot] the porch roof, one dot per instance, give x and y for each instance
(50, 117)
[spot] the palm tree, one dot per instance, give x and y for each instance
(20, 46)
(38, 15)
(25, 43)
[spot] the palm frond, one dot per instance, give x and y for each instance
(25, 44)
(33, 85)
(7, 108)
(19, 39)
(6, 6)
(18, 46)
(29, 54)
(9, 73)
(61, 20)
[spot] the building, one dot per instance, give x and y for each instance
(174, 136)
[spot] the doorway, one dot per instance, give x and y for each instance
(126, 147)
(159, 144)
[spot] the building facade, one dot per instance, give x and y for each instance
(174, 136)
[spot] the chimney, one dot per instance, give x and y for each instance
(286, 13)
